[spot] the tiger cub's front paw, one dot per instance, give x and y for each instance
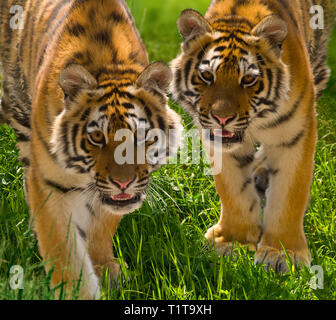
(111, 270)
(277, 259)
(224, 242)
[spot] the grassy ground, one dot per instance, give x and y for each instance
(163, 242)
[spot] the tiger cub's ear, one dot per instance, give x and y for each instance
(75, 78)
(273, 29)
(156, 76)
(192, 24)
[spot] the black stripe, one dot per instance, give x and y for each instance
(142, 185)
(113, 83)
(81, 232)
(83, 146)
(116, 17)
(187, 69)
(260, 60)
(265, 102)
(30, 40)
(77, 167)
(143, 179)
(128, 105)
(44, 142)
(252, 206)
(289, 12)
(93, 124)
(294, 141)
(85, 114)
(115, 71)
(116, 91)
(104, 37)
(25, 162)
(178, 78)
(243, 161)
(74, 136)
(246, 184)
(22, 118)
(217, 57)
(88, 169)
(270, 80)
(60, 188)
(203, 51)
(161, 123)
(263, 113)
(85, 160)
(55, 11)
(278, 84)
(230, 38)
(273, 172)
(148, 111)
(189, 93)
(52, 19)
(22, 137)
(76, 30)
(236, 19)
(220, 48)
(64, 127)
(286, 117)
(89, 207)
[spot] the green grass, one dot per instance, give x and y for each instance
(163, 242)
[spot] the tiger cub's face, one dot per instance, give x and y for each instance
(115, 133)
(229, 76)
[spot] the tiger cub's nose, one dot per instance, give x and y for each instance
(222, 120)
(123, 184)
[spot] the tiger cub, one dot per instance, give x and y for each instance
(75, 77)
(250, 73)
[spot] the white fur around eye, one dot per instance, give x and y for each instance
(254, 78)
(248, 70)
(98, 144)
(206, 74)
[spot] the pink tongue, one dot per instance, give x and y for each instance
(122, 196)
(223, 133)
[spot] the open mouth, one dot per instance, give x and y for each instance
(225, 136)
(223, 133)
(121, 200)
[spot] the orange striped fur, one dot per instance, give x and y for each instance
(75, 74)
(249, 73)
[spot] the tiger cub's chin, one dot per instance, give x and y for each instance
(222, 140)
(125, 206)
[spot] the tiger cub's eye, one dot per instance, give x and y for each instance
(249, 80)
(97, 137)
(207, 76)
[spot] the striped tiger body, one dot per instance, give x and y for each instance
(75, 79)
(249, 73)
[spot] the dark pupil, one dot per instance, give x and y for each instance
(207, 75)
(248, 79)
(97, 136)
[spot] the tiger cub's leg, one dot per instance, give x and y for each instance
(239, 220)
(287, 197)
(4, 107)
(3, 119)
(100, 237)
(61, 243)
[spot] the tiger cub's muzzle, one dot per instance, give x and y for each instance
(225, 129)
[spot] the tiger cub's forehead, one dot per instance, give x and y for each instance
(110, 117)
(228, 55)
